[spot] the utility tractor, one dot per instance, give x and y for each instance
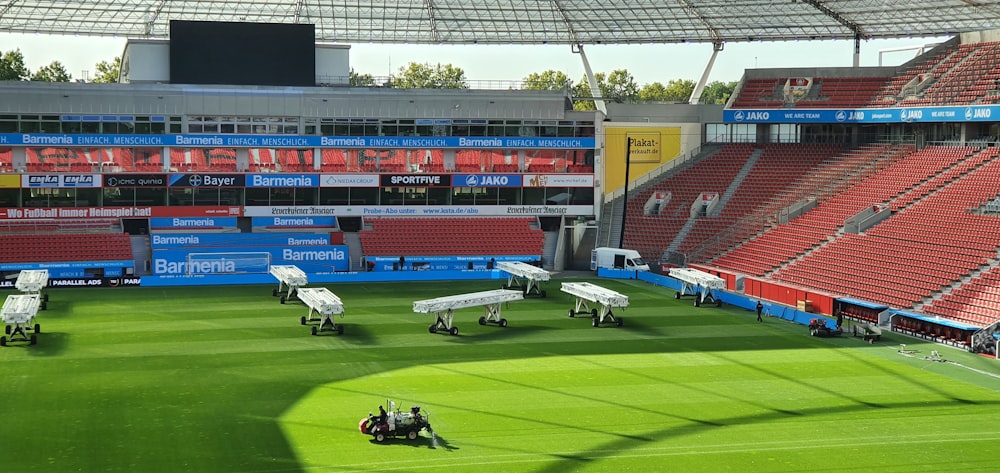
(393, 423)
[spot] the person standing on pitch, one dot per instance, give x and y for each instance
(760, 308)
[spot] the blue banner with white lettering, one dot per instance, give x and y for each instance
(972, 113)
(286, 141)
(192, 223)
(486, 180)
(249, 260)
(442, 263)
(295, 222)
(282, 180)
(209, 241)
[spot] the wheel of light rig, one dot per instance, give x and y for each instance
(340, 330)
(503, 322)
(33, 339)
(677, 295)
(572, 313)
(3, 341)
(453, 331)
(314, 330)
(620, 321)
(274, 293)
(7, 330)
(543, 294)
(38, 328)
(303, 320)
(482, 321)
(282, 299)
(433, 328)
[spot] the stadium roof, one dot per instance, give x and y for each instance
(521, 21)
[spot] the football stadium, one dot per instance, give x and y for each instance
(234, 260)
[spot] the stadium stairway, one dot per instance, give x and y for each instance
(354, 252)
(724, 199)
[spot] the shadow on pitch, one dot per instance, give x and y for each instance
(490, 332)
(49, 344)
(354, 334)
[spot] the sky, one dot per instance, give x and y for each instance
(646, 63)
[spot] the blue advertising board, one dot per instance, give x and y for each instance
(486, 180)
(971, 113)
(295, 222)
(442, 263)
(192, 223)
(282, 180)
(211, 241)
(235, 260)
(286, 141)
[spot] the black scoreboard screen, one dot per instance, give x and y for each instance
(211, 52)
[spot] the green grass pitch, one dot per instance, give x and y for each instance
(225, 379)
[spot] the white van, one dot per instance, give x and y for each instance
(617, 258)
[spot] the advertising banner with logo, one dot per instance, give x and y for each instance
(420, 211)
(976, 113)
(72, 269)
(282, 180)
(444, 263)
(199, 223)
(416, 180)
(131, 281)
(348, 180)
(285, 141)
(61, 180)
(647, 148)
(294, 222)
(558, 180)
(311, 259)
(49, 213)
(135, 180)
(210, 241)
(207, 180)
(486, 180)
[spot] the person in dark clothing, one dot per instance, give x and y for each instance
(402, 262)
(760, 309)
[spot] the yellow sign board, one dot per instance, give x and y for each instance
(646, 147)
(8, 181)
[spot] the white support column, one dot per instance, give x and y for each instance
(700, 86)
(595, 89)
(857, 50)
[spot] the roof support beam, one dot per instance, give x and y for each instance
(151, 21)
(700, 86)
(298, 11)
(562, 14)
(693, 11)
(819, 5)
(595, 88)
(7, 7)
(432, 20)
